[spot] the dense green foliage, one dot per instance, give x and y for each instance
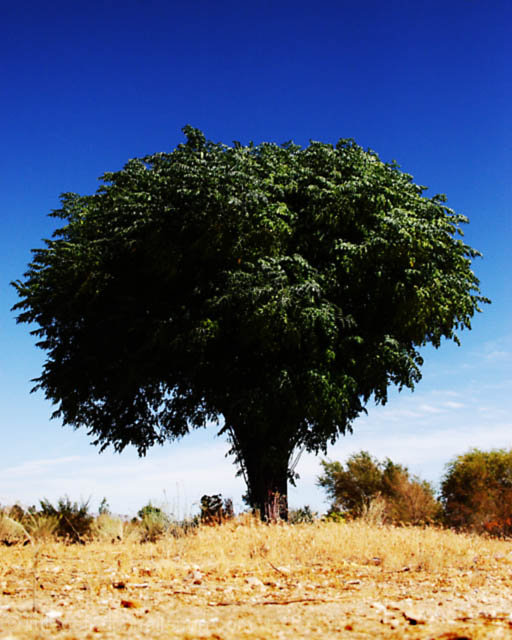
(275, 289)
(352, 489)
(476, 491)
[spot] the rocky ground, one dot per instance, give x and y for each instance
(258, 582)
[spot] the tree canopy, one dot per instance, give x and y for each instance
(271, 289)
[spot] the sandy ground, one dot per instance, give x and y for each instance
(156, 591)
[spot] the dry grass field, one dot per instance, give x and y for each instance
(248, 580)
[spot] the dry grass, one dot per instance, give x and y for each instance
(248, 580)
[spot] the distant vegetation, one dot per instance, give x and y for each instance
(476, 492)
(365, 483)
(475, 496)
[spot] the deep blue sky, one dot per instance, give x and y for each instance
(85, 86)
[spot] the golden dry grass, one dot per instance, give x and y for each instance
(248, 580)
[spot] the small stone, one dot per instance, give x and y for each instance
(130, 604)
(254, 582)
(52, 614)
(196, 576)
(119, 584)
(413, 617)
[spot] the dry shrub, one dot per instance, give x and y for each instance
(215, 510)
(41, 527)
(74, 519)
(12, 532)
(17, 524)
(107, 528)
(411, 501)
(375, 513)
(153, 526)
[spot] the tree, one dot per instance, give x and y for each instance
(412, 500)
(476, 491)
(272, 290)
(352, 488)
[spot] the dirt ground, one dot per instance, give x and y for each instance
(259, 583)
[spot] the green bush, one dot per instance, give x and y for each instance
(476, 492)
(154, 523)
(153, 511)
(334, 516)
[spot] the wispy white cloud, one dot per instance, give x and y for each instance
(494, 356)
(448, 393)
(453, 405)
(428, 408)
(35, 467)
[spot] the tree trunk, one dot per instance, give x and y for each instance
(267, 478)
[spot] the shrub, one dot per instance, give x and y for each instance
(33, 525)
(16, 512)
(352, 489)
(376, 513)
(104, 508)
(184, 527)
(154, 523)
(215, 510)
(107, 528)
(334, 516)
(410, 500)
(366, 485)
(476, 492)
(12, 532)
(304, 515)
(74, 519)
(41, 527)
(153, 526)
(153, 511)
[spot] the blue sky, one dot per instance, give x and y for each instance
(86, 86)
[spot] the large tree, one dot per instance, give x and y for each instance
(271, 290)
